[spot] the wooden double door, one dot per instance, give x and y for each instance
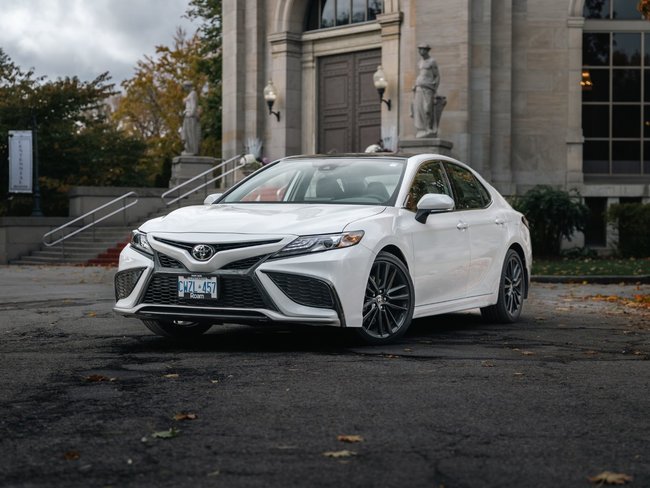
(349, 110)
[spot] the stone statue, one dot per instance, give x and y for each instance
(191, 129)
(427, 107)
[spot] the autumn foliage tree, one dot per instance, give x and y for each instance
(78, 144)
(152, 105)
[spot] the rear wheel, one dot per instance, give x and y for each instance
(388, 301)
(176, 329)
(511, 292)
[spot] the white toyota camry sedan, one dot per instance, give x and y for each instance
(366, 242)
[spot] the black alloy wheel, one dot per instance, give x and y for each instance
(511, 291)
(388, 301)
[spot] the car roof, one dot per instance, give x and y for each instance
(384, 155)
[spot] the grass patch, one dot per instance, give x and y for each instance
(592, 267)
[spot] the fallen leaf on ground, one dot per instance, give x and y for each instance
(391, 356)
(610, 478)
(527, 353)
(339, 454)
(95, 378)
(71, 455)
(92, 314)
(166, 434)
(185, 416)
(349, 438)
(487, 364)
(518, 374)
(170, 375)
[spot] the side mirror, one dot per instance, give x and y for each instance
(433, 203)
(210, 199)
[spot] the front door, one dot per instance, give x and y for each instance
(349, 111)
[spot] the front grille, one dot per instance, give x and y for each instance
(243, 264)
(233, 291)
(219, 246)
(304, 290)
(167, 262)
(125, 281)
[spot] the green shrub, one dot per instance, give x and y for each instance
(633, 228)
(553, 214)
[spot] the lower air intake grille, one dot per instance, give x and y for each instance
(233, 291)
(167, 262)
(125, 282)
(304, 290)
(243, 264)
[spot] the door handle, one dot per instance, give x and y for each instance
(462, 225)
(499, 221)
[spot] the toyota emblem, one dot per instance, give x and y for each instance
(202, 252)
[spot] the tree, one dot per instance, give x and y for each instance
(152, 106)
(78, 145)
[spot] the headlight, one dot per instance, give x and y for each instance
(326, 242)
(140, 243)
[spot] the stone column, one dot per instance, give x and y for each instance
(575, 140)
(501, 97)
(390, 61)
(284, 137)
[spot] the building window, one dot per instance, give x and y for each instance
(615, 89)
(332, 13)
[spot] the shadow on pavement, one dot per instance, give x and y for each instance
(236, 338)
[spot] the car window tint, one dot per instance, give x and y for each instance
(362, 181)
(430, 178)
(272, 190)
(468, 192)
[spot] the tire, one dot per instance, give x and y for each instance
(176, 329)
(388, 301)
(511, 292)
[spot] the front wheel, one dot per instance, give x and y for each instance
(388, 301)
(176, 329)
(511, 292)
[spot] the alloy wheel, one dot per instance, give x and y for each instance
(387, 302)
(513, 285)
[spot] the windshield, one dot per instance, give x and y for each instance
(341, 181)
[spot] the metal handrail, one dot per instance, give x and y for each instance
(244, 159)
(94, 222)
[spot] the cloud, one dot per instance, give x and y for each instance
(85, 38)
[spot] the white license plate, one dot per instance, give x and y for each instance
(197, 287)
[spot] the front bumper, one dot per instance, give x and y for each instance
(313, 289)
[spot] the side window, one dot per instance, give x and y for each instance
(468, 192)
(430, 178)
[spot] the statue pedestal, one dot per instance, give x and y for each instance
(186, 167)
(425, 145)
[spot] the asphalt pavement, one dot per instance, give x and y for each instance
(92, 399)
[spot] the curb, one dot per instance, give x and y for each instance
(603, 280)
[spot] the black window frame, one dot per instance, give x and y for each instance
(486, 196)
(314, 20)
(410, 201)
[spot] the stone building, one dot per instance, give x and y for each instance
(538, 92)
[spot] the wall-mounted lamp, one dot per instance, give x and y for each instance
(586, 82)
(379, 79)
(270, 95)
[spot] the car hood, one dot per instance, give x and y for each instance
(296, 219)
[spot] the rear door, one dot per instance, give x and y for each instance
(486, 229)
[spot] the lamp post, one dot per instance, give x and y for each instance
(36, 210)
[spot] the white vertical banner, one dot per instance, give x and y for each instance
(20, 161)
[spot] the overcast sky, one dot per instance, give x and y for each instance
(84, 38)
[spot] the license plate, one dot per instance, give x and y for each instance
(197, 287)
